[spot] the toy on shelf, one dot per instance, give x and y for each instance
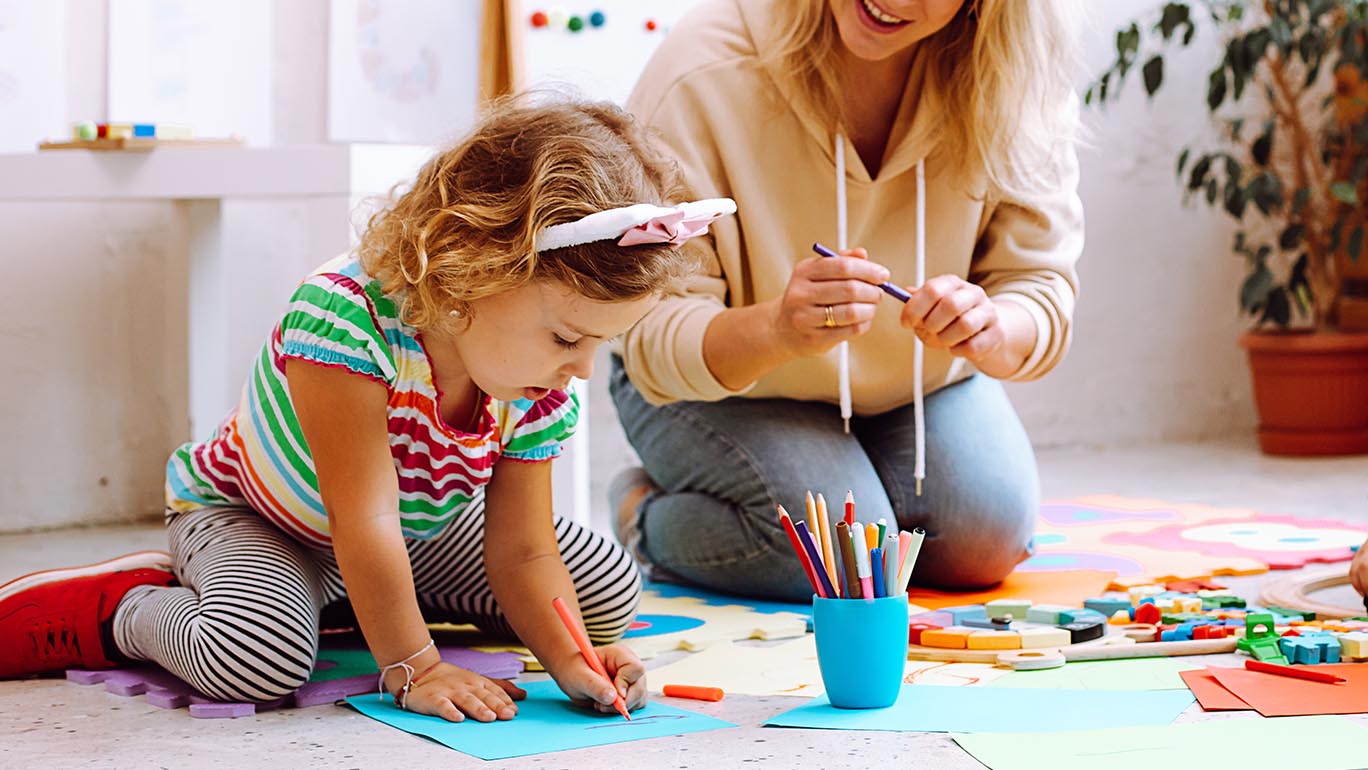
(136, 137)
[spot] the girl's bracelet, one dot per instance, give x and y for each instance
(401, 697)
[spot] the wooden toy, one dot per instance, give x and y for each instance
(1025, 660)
(952, 637)
(1295, 591)
(993, 640)
(1016, 608)
(134, 137)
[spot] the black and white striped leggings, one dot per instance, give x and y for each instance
(243, 624)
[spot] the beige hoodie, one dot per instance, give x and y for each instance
(736, 135)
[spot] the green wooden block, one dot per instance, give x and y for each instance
(1259, 624)
(1001, 608)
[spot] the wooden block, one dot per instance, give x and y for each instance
(1000, 608)
(958, 614)
(1187, 604)
(1137, 593)
(1258, 624)
(1120, 618)
(1084, 631)
(144, 130)
(1037, 637)
(951, 638)
(993, 640)
(120, 131)
(915, 631)
(1147, 613)
(1109, 606)
(1354, 645)
(1046, 613)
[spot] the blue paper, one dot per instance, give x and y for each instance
(546, 722)
(925, 708)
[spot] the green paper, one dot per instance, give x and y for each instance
(1136, 674)
(546, 722)
(1304, 743)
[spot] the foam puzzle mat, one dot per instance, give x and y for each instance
(1154, 541)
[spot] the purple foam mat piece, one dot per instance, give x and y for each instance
(165, 690)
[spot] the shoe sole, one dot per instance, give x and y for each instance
(141, 560)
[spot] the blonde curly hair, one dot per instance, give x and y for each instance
(464, 230)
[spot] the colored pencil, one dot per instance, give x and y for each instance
(1293, 672)
(587, 652)
(848, 560)
(889, 288)
(792, 533)
(810, 508)
(828, 548)
(824, 588)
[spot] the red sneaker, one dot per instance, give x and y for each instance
(51, 620)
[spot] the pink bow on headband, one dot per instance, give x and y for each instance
(673, 228)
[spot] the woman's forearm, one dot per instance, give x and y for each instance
(1019, 333)
(740, 346)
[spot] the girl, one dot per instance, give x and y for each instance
(794, 108)
(392, 444)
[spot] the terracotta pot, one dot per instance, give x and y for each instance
(1311, 390)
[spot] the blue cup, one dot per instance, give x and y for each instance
(861, 649)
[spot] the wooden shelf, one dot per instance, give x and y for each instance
(137, 144)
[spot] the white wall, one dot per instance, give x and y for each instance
(98, 391)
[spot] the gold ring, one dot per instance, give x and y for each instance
(830, 318)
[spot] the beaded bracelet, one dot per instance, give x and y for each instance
(401, 697)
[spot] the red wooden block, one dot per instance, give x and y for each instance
(915, 630)
(1148, 613)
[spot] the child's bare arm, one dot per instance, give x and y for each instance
(525, 570)
(344, 422)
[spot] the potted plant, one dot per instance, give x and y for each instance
(1289, 96)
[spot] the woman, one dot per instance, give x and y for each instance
(728, 391)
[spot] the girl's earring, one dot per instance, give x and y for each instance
(455, 314)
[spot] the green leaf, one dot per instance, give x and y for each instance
(1216, 89)
(1182, 160)
(1277, 309)
(1235, 200)
(1199, 172)
(1174, 15)
(1345, 192)
(1154, 74)
(1262, 148)
(1211, 190)
(1291, 237)
(1254, 290)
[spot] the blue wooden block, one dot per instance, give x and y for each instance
(1179, 634)
(1107, 606)
(144, 129)
(994, 624)
(965, 612)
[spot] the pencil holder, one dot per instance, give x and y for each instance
(861, 649)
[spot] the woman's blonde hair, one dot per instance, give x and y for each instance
(465, 228)
(1002, 69)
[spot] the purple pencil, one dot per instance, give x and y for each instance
(805, 537)
(890, 289)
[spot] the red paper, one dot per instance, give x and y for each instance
(1068, 588)
(1283, 696)
(1210, 694)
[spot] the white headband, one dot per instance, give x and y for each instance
(640, 223)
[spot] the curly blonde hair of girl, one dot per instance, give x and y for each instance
(1002, 69)
(465, 228)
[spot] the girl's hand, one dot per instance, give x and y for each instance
(1358, 571)
(588, 690)
(950, 313)
(453, 693)
(848, 285)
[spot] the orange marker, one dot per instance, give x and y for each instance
(690, 691)
(871, 536)
(587, 650)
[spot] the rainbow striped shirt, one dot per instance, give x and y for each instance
(340, 317)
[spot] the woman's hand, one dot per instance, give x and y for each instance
(1358, 571)
(827, 300)
(950, 313)
(588, 690)
(453, 693)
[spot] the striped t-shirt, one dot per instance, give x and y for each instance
(340, 317)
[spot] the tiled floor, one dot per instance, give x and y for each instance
(52, 724)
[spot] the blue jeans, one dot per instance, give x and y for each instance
(721, 467)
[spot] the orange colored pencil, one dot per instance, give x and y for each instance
(827, 546)
(587, 651)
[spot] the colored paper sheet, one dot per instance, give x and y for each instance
(1137, 674)
(546, 722)
(1068, 588)
(1304, 743)
(1283, 696)
(1211, 696)
(988, 709)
